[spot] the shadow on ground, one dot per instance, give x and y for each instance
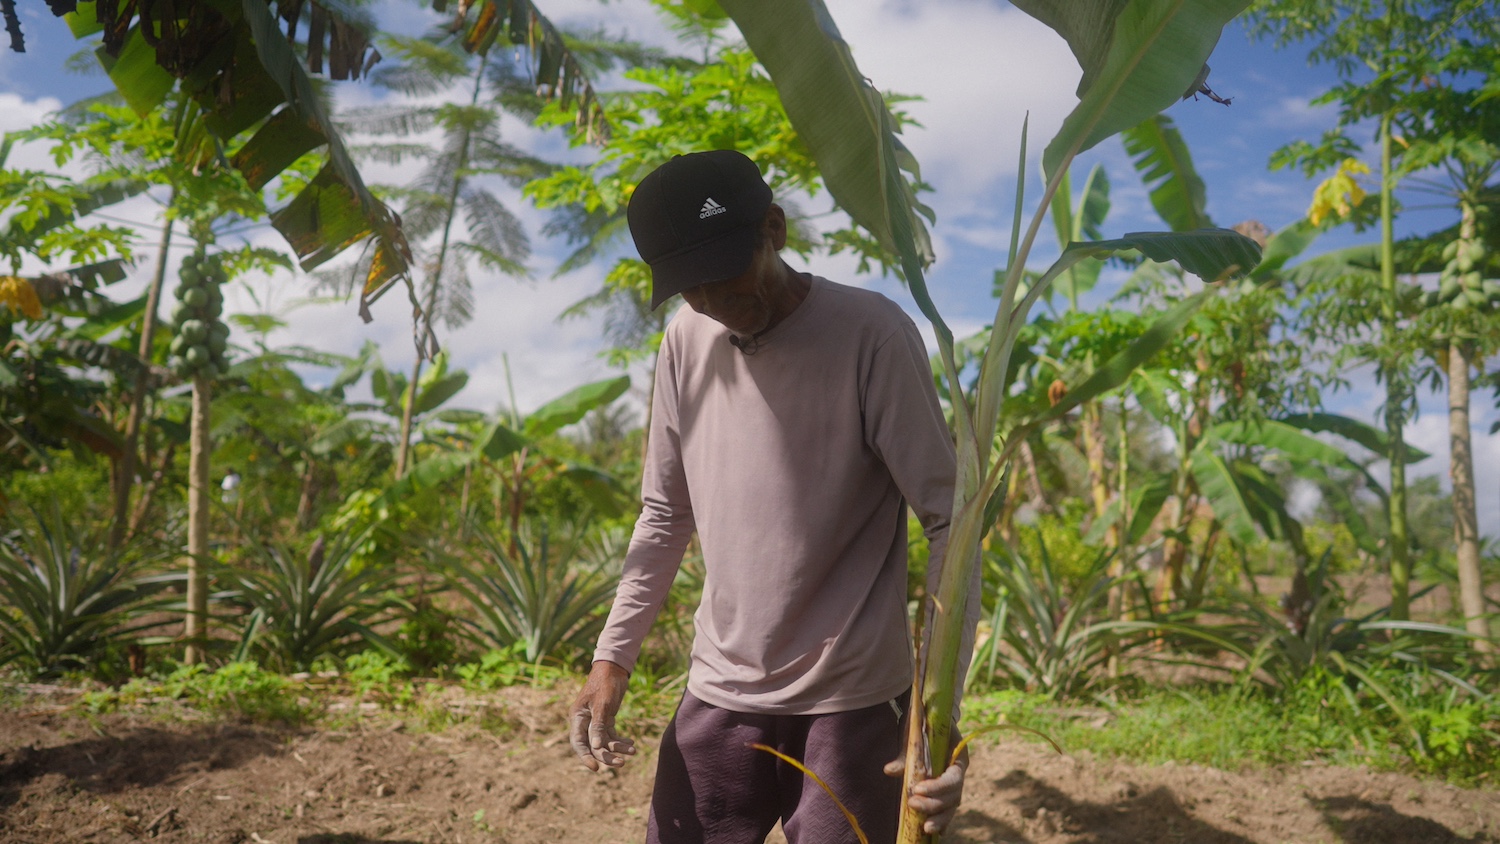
(139, 758)
(1155, 815)
(1360, 821)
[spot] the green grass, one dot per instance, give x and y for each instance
(374, 686)
(1447, 737)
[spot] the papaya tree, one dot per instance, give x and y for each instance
(139, 155)
(1138, 58)
(1385, 52)
(1452, 147)
(252, 66)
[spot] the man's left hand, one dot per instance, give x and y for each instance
(938, 797)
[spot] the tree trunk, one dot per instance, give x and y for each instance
(403, 451)
(307, 499)
(153, 483)
(1395, 390)
(126, 469)
(200, 450)
(1465, 513)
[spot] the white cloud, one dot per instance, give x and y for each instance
(980, 68)
(17, 112)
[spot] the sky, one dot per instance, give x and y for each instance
(981, 67)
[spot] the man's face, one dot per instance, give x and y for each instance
(743, 304)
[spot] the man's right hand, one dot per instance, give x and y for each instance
(591, 721)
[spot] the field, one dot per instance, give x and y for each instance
(173, 775)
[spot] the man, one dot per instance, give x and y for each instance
(793, 419)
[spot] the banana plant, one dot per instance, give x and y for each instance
(1138, 58)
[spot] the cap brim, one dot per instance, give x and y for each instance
(726, 256)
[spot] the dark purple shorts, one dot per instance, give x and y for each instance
(711, 788)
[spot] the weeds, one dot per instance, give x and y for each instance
(503, 668)
(1230, 728)
(237, 690)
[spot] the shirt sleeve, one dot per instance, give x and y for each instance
(906, 428)
(661, 532)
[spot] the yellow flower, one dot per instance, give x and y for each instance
(20, 297)
(1339, 194)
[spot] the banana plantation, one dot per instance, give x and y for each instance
(1197, 470)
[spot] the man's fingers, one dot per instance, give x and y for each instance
(939, 822)
(578, 731)
(599, 735)
(950, 783)
(938, 798)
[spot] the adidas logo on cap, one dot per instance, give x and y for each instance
(710, 208)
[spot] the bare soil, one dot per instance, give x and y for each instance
(126, 777)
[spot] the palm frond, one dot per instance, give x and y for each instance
(492, 227)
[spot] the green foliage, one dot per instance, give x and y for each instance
(236, 690)
(1319, 718)
(300, 605)
(536, 593)
(68, 482)
(724, 101)
(1048, 638)
(1312, 633)
(379, 676)
(428, 641)
(1059, 539)
(498, 669)
(65, 599)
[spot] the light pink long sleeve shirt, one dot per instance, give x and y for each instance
(794, 465)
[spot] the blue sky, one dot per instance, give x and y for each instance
(980, 66)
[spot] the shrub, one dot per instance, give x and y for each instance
(542, 598)
(66, 601)
(300, 606)
(1047, 638)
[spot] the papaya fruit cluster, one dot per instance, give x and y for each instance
(200, 337)
(1463, 283)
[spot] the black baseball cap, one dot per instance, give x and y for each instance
(695, 219)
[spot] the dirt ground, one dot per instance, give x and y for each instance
(132, 777)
